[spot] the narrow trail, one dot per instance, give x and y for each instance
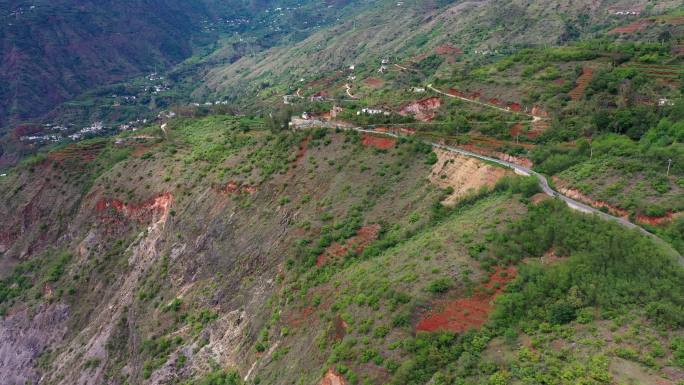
(546, 188)
(348, 88)
(535, 118)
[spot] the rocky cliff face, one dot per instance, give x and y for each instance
(24, 338)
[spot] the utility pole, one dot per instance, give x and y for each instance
(669, 164)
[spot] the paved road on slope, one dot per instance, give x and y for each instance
(544, 184)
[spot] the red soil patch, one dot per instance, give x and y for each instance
(582, 83)
(357, 243)
(578, 195)
(655, 221)
(456, 92)
(474, 95)
(632, 27)
(114, 210)
(325, 81)
(233, 187)
(467, 313)
(374, 82)
(378, 142)
(514, 107)
(538, 111)
(423, 110)
(540, 197)
(332, 378)
(26, 129)
(301, 151)
(494, 101)
(141, 149)
(298, 319)
(516, 129)
(407, 131)
(448, 49)
(339, 329)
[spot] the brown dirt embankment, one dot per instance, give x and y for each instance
(463, 174)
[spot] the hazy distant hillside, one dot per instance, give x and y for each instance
(53, 50)
(406, 30)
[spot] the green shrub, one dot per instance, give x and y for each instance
(440, 285)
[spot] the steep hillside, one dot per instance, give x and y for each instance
(358, 193)
(215, 251)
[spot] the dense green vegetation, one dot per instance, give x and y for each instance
(30, 276)
(607, 268)
(606, 273)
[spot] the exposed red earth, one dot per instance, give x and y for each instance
(538, 127)
(332, 378)
(515, 107)
(378, 142)
(301, 151)
(26, 129)
(374, 82)
(655, 221)
(300, 318)
(464, 314)
(582, 83)
(423, 110)
(326, 82)
(578, 195)
(538, 111)
(632, 27)
(448, 49)
(112, 210)
(495, 101)
(339, 329)
(357, 243)
(233, 187)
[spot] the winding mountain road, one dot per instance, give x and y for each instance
(544, 185)
(543, 182)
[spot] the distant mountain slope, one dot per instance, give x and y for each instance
(406, 30)
(53, 50)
